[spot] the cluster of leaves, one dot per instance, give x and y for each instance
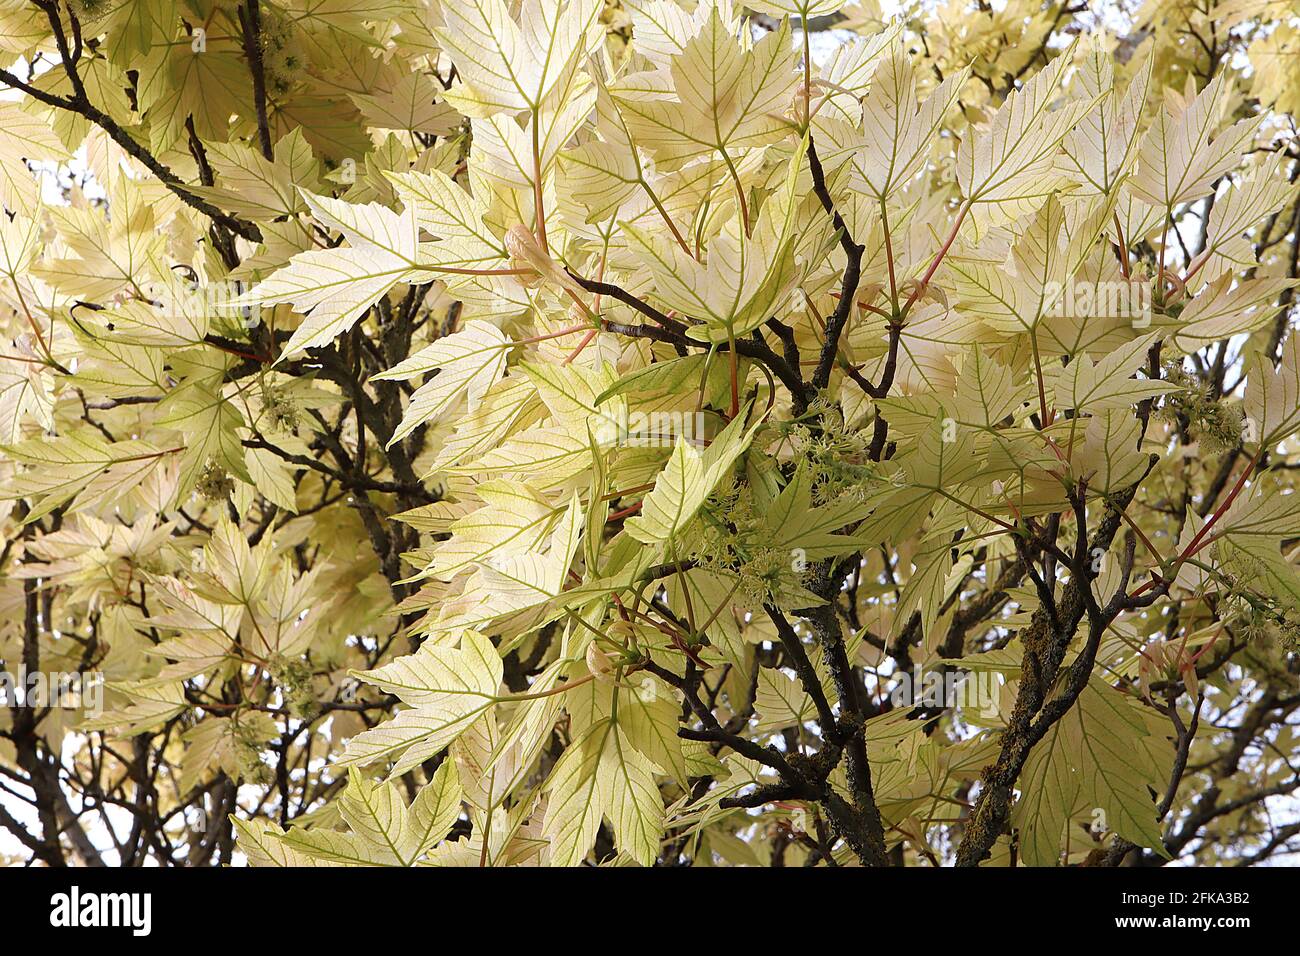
(554, 431)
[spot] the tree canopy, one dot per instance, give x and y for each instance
(558, 432)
